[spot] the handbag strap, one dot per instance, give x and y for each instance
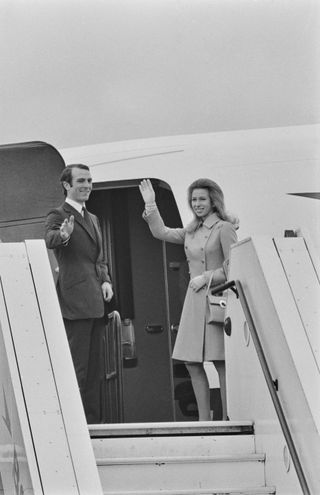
(209, 283)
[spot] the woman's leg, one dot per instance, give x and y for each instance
(201, 389)
(221, 369)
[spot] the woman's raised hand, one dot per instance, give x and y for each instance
(147, 191)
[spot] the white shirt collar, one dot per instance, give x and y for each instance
(75, 205)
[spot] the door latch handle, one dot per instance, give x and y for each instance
(174, 328)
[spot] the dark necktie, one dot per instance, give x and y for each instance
(85, 214)
(88, 222)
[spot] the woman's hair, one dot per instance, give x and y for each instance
(217, 201)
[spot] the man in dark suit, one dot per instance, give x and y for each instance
(83, 282)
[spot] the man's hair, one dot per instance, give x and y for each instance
(66, 175)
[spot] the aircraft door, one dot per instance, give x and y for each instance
(29, 188)
(148, 277)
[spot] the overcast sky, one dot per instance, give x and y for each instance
(76, 72)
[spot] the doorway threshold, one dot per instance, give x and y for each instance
(183, 428)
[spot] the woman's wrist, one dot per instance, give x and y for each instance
(149, 207)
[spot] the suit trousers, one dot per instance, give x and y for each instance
(85, 338)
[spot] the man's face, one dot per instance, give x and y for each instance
(81, 186)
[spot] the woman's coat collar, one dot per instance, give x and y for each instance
(211, 220)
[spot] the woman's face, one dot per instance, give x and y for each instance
(201, 203)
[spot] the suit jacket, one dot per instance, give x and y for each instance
(82, 268)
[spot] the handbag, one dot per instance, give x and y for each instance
(217, 306)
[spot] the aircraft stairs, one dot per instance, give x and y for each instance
(271, 443)
(179, 459)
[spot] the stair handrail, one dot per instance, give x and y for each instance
(236, 286)
(216, 289)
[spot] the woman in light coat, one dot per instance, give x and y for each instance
(207, 240)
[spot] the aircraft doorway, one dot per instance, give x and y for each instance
(150, 279)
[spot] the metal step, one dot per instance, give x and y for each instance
(183, 473)
(185, 428)
(173, 446)
(188, 458)
(244, 491)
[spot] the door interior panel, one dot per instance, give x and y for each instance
(150, 280)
